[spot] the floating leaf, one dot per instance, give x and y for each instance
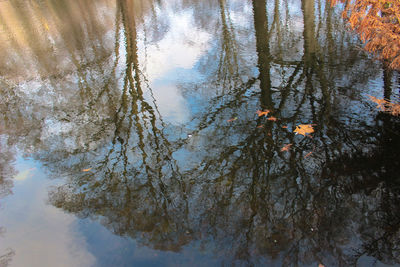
(286, 147)
(86, 170)
(321, 265)
(308, 154)
(262, 113)
(304, 129)
(260, 126)
(233, 119)
(284, 127)
(272, 118)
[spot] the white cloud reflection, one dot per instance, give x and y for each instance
(40, 234)
(180, 48)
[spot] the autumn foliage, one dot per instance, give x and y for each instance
(378, 24)
(386, 105)
(304, 129)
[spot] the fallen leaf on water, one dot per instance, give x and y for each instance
(284, 127)
(321, 265)
(272, 118)
(308, 154)
(304, 129)
(230, 120)
(262, 113)
(286, 147)
(260, 126)
(86, 170)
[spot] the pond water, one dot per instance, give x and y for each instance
(129, 136)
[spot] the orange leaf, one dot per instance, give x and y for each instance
(272, 118)
(262, 113)
(286, 147)
(260, 126)
(284, 127)
(321, 265)
(86, 170)
(233, 119)
(308, 154)
(304, 129)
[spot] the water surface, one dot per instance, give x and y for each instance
(129, 136)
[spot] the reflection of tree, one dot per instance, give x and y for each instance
(228, 61)
(36, 27)
(271, 211)
(6, 258)
(229, 185)
(5, 189)
(263, 51)
(245, 195)
(137, 170)
(6, 174)
(308, 203)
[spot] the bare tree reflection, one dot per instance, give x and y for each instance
(7, 172)
(245, 196)
(229, 185)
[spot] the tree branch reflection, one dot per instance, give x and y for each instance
(229, 185)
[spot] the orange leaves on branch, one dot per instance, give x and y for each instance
(304, 129)
(386, 105)
(378, 24)
(272, 118)
(262, 113)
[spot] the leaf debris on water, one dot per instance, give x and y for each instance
(262, 113)
(286, 147)
(304, 129)
(308, 154)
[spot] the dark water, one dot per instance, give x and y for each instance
(129, 136)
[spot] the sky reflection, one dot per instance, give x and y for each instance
(129, 135)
